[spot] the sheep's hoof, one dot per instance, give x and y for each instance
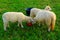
(22, 26)
(48, 30)
(5, 30)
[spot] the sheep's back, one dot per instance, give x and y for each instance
(13, 16)
(45, 15)
(35, 10)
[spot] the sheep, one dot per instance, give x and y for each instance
(28, 10)
(47, 17)
(48, 8)
(13, 17)
(34, 12)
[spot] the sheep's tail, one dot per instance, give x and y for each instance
(53, 23)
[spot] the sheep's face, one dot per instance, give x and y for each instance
(30, 20)
(48, 8)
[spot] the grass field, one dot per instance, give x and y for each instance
(29, 33)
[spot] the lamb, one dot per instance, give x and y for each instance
(47, 17)
(13, 17)
(34, 11)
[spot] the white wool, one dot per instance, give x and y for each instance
(34, 11)
(13, 17)
(46, 16)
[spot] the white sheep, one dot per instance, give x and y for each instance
(13, 17)
(47, 17)
(34, 11)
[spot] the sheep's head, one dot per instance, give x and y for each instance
(48, 8)
(31, 20)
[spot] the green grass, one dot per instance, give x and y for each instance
(29, 33)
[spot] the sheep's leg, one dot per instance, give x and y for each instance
(22, 25)
(8, 25)
(18, 25)
(48, 22)
(49, 28)
(52, 25)
(39, 24)
(5, 26)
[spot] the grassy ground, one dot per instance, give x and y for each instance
(29, 33)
